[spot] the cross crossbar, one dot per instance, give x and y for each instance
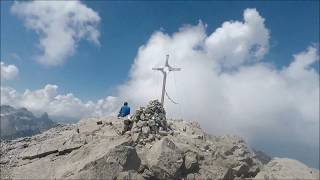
(166, 69)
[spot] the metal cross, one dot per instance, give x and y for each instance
(166, 69)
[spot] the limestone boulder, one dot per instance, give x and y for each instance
(165, 159)
(118, 159)
(212, 173)
(191, 161)
(129, 175)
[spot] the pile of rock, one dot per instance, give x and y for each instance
(150, 123)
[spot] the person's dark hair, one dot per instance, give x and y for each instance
(125, 103)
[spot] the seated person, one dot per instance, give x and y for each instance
(124, 111)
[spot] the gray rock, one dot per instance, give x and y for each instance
(215, 172)
(235, 154)
(135, 137)
(130, 175)
(165, 159)
(126, 156)
(120, 158)
(145, 130)
(147, 174)
(191, 161)
(163, 133)
(262, 157)
(151, 123)
(283, 168)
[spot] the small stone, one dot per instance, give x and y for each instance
(142, 168)
(199, 137)
(151, 123)
(145, 130)
(206, 147)
(147, 174)
(151, 137)
(158, 136)
(163, 133)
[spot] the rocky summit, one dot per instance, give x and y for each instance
(154, 148)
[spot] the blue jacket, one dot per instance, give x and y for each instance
(124, 111)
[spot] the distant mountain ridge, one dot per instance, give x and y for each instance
(21, 122)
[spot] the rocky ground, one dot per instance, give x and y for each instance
(155, 148)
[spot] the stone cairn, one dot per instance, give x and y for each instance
(150, 123)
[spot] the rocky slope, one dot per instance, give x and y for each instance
(21, 122)
(155, 148)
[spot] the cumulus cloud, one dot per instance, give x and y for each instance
(235, 43)
(65, 106)
(225, 87)
(9, 71)
(60, 26)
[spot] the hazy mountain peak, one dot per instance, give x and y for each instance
(21, 122)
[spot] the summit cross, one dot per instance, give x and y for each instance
(166, 69)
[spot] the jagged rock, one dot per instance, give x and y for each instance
(135, 137)
(261, 156)
(147, 174)
(42, 149)
(145, 130)
(234, 152)
(192, 176)
(118, 159)
(283, 168)
(163, 133)
(212, 172)
(129, 175)
(126, 156)
(191, 161)
(165, 159)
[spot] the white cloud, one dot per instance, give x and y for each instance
(235, 43)
(251, 99)
(58, 106)
(9, 71)
(60, 25)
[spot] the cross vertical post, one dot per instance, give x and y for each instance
(166, 69)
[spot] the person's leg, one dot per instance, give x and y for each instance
(125, 126)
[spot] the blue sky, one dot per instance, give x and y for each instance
(276, 92)
(125, 26)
